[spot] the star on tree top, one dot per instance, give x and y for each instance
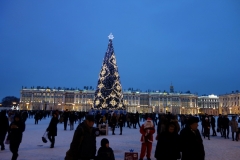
(110, 36)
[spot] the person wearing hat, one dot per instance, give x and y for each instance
(105, 152)
(16, 128)
(191, 141)
(147, 130)
(83, 145)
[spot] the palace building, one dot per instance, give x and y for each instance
(230, 103)
(208, 104)
(82, 100)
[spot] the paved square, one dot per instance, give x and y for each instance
(32, 146)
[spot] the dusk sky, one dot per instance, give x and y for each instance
(195, 44)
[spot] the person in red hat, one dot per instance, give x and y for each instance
(147, 130)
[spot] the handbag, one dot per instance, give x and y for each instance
(44, 137)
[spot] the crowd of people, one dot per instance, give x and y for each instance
(178, 136)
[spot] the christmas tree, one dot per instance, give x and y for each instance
(108, 94)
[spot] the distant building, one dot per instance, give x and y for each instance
(230, 103)
(208, 104)
(82, 100)
(171, 89)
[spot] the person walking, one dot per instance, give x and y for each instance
(15, 132)
(220, 124)
(83, 145)
(52, 129)
(71, 120)
(226, 127)
(65, 119)
(213, 121)
(234, 128)
(3, 128)
(191, 141)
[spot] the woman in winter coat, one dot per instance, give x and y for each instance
(52, 129)
(16, 128)
(234, 128)
(168, 145)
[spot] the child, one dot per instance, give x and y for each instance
(105, 152)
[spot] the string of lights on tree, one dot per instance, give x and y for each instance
(108, 94)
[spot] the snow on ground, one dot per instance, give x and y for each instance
(32, 146)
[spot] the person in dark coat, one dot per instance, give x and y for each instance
(191, 141)
(113, 122)
(213, 121)
(3, 128)
(206, 128)
(137, 119)
(71, 120)
(83, 145)
(15, 132)
(24, 116)
(65, 118)
(225, 127)
(98, 117)
(52, 129)
(220, 124)
(168, 144)
(120, 122)
(36, 117)
(105, 152)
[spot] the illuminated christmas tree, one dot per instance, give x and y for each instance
(108, 94)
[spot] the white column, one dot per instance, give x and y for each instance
(63, 100)
(150, 101)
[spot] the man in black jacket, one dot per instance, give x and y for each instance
(191, 142)
(65, 118)
(15, 133)
(220, 124)
(225, 123)
(3, 128)
(83, 144)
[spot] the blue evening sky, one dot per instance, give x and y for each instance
(195, 44)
